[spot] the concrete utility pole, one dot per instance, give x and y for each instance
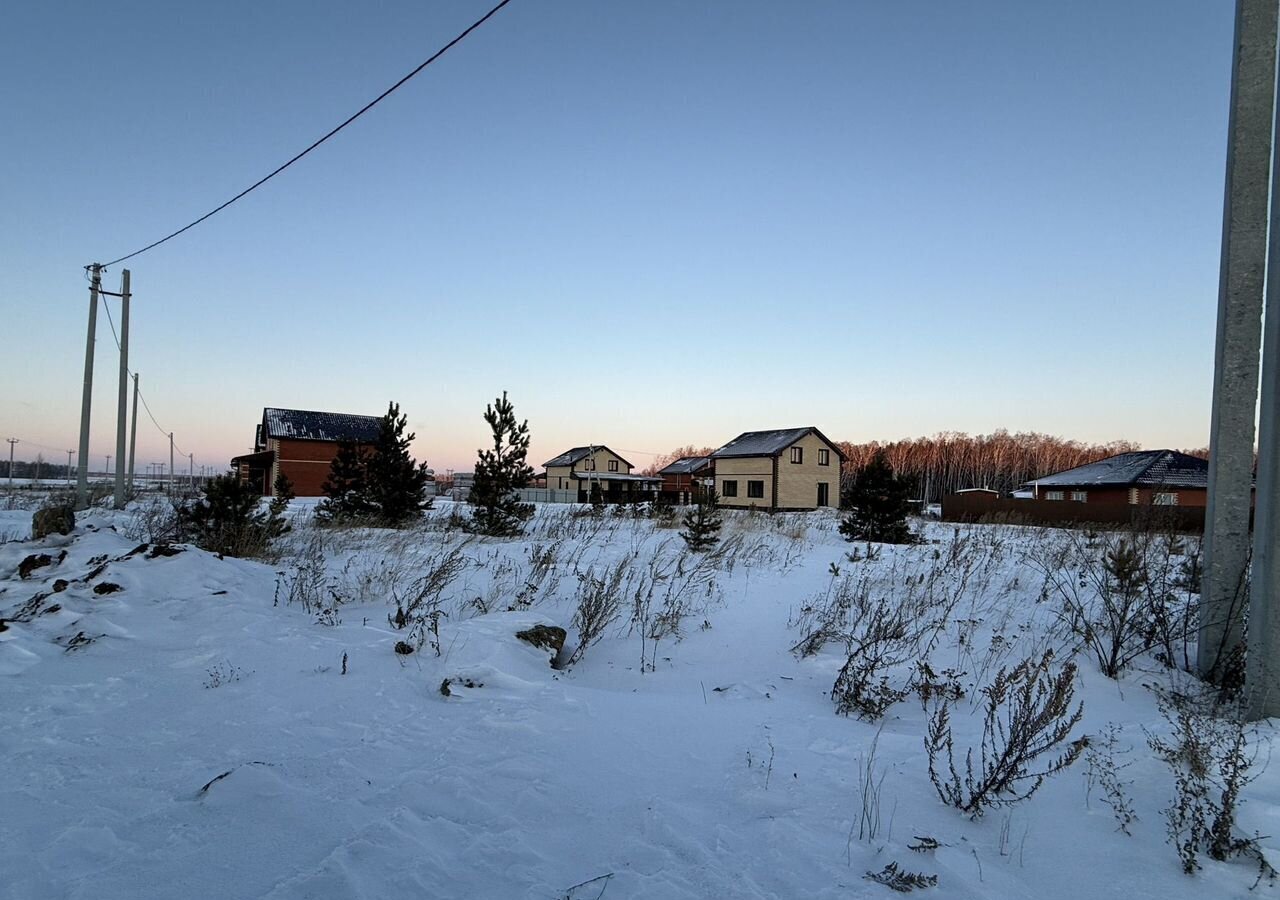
(69, 452)
(107, 468)
(133, 432)
(1235, 377)
(1262, 676)
(86, 399)
(170, 463)
(11, 441)
(122, 402)
(191, 470)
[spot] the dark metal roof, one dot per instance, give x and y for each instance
(1159, 468)
(308, 425)
(768, 443)
(576, 455)
(686, 465)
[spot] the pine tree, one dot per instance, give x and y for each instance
(396, 485)
(702, 522)
(346, 489)
(281, 494)
(595, 497)
(878, 503)
(500, 472)
(228, 519)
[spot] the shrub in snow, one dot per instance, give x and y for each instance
(228, 520)
(1207, 750)
(1121, 595)
(500, 472)
(886, 637)
(346, 490)
(1028, 718)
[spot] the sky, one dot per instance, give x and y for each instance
(652, 224)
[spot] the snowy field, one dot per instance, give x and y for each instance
(192, 732)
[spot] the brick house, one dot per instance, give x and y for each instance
(684, 477)
(301, 444)
(579, 468)
(783, 469)
(1144, 477)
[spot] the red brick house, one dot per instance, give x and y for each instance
(1145, 477)
(301, 444)
(684, 477)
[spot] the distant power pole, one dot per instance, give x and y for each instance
(11, 441)
(122, 401)
(1240, 306)
(107, 468)
(191, 470)
(69, 452)
(170, 463)
(133, 432)
(86, 398)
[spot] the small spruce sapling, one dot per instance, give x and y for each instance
(496, 510)
(346, 489)
(878, 502)
(702, 522)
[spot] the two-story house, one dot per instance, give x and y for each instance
(580, 468)
(784, 469)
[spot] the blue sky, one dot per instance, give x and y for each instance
(653, 224)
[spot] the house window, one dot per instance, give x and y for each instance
(797, 454)
(1053, 495)
(824, 457)
(589, 465)
(613, 465)
(1080, 496)
(1165, 499)
(729, 489)
(755, 489)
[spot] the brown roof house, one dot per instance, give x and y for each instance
(582, 467)
(683, 478)
(784, 469)
(301, 444)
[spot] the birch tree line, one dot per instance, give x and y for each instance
(952, 461)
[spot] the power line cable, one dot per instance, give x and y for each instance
(364, 109)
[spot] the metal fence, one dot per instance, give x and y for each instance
(1064, 513)
(546, 495)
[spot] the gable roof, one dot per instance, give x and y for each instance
(1159, 468)
(309, 425)
(577, 454)
(685, 465)
(769, 443)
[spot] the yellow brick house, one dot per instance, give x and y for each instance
(580, 468)
(779, 470)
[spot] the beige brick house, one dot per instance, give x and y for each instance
(784, 469)
(579, 468)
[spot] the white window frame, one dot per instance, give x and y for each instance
(1080, 496)
(1164, 498)
(1054, 495)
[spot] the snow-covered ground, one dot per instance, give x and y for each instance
(193, 734)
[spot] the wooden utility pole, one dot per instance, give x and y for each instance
(1240, 300)
(122, 405)
(86, 398)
